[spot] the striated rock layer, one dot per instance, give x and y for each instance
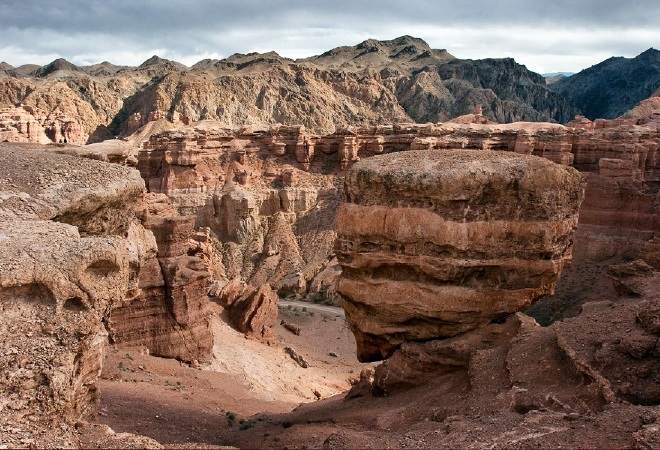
(436, 243)
(30, 124)
(251, 310)
(170, 315)
(271, 221)
(87, 258)
(269, 195)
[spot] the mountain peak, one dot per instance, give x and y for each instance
(649, 53)
(404, 52)
(157, 61)
(612, 87)
(154, 60)
(406, 39)
(60, 64)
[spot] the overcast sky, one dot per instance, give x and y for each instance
(545, 35)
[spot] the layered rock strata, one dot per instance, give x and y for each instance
(250, 310)
(433, 244)
(273, 221)
(31, 125)
(170, 315)
(262, 191)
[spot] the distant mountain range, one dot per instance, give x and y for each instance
(553, 77)
(612, 87)
(398, 80)
(558, 74)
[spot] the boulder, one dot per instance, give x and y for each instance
(250, 310)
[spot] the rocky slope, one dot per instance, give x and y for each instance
(373, 82)
(234, 212)
(589, 380)
(610, 88)
(553, 77)
(88, 259)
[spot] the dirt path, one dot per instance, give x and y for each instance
(333, 310)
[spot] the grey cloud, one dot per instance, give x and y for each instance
(127, 15)
(81, 29)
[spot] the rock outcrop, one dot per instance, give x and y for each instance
(272, 221)
(32, 125)
(71, 248)
(250, 310)
(437, 243)
(170, 315)
(269, 195)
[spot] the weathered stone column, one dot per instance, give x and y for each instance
(433, 244)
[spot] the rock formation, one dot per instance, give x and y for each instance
(269, 195)
(251, 310)
(434, 244)
(587, 380)
(170, 315)
(257, 207)
(248, 189)
(31, 125)
(72, 248)
(88, 258)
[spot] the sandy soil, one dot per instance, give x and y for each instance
(178, 404)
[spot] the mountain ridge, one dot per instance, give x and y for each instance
(374, 81)
(613, 86)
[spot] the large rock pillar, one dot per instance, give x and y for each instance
(433, 244)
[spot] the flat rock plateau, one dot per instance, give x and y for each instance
(382, 246)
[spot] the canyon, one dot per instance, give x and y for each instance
(346, 251)
(386, 221)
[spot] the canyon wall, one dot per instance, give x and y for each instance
(170, 314)
(270, 221)
(269, 196)
(30, 124)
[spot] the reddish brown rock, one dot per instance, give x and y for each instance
(32, 125)
(434, 244)
(241, 191)
(20, 125)
(250, 310)
(171, 314)
(71, 248)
